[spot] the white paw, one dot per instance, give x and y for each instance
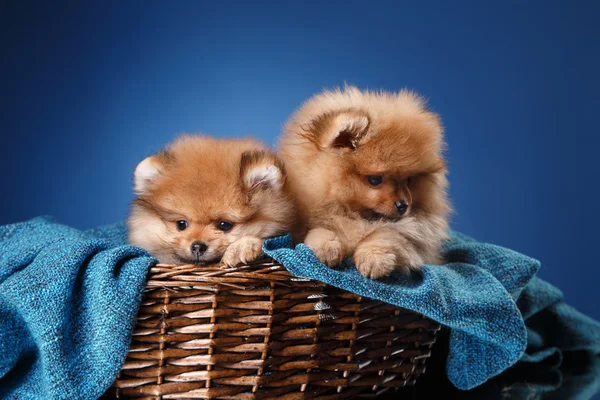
(374, 263)
(329, 252)
(243, 251)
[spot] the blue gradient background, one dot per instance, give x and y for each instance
(89, 89)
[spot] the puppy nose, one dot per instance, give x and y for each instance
(401, 206)
(198, 248)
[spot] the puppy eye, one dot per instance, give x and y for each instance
(224, 226)
(182, 225)
(375, 180)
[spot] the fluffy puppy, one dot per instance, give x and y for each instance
(203, 199)
(367, 173)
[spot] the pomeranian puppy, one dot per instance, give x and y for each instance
(368, 176)
(203, 199)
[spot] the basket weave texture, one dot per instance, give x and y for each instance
(257, 332)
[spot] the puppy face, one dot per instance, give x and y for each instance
(377, 155)
(202, 194)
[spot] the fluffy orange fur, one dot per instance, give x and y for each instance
(367, 172)
(209, 184)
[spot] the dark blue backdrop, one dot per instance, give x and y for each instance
(88, 89)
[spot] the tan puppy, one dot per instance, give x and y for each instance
(367, 173)
(204, 199)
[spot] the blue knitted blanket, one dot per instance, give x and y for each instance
(482, 294)
(68, 302)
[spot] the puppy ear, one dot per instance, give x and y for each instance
(261, 169)
(147, 172)
(345, 129)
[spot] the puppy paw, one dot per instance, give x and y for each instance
(329, 253)
(243, 251)
(373, 262)
(325, 245)
(408, 258)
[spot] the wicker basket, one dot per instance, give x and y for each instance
(257, 332)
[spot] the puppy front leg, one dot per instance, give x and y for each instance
(243, 250)
(384, 250)
(326, 246)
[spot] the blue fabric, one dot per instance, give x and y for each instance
(68, 304)
(562, 359)
(473, 294)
